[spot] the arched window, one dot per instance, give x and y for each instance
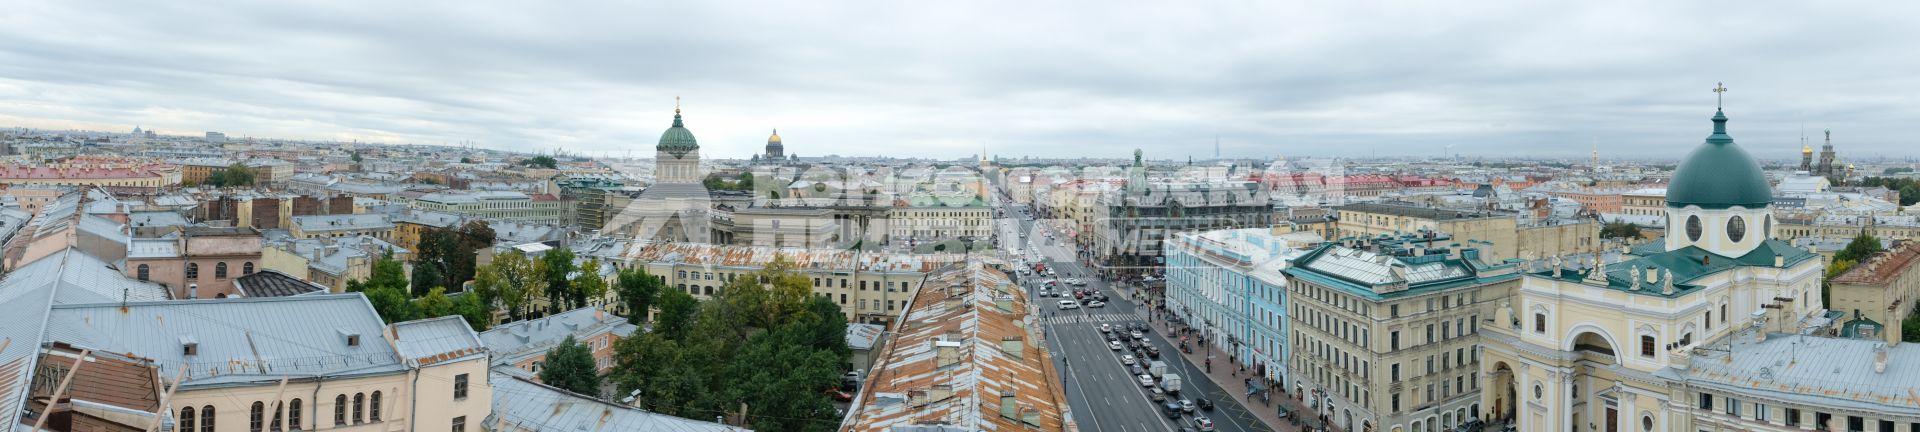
(359, 407)
(220, 271)
(144, 272)
(193, 271)
(186, 419)
(206, 418)
(293, 415)
(375, 411)
(246, 268)
(257, 416)
(340, 410)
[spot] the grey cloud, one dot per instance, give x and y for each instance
(945, 79)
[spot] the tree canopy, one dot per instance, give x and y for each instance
(542, 161)
(764, 340)
(387, 290)
(570, 366)
(514, 281)
(638, 291)
(1626, 230)
(233, 175)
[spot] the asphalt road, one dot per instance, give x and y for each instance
(1103, 393)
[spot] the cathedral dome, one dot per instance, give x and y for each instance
(775, 139)
(677, 139)
(1719, 174)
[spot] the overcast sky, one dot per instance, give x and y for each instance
(944, 79)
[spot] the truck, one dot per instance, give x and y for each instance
(1157, 368)
(1171, 383)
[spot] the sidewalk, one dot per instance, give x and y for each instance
(1223, 375)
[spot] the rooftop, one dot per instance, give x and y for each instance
(1882, 266)
(1441, 214)
(342, 222)
(512, 341)
(964, 344)
(437, 340)
(521, 404)
(273, 283)
(1819, 371)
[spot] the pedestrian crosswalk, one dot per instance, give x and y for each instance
(1076, 318)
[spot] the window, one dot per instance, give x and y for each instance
(1736, 229)
(1733, 407)
(186, 419)
(460, 386)
(1760, 412)
(1793, 417)
(220, 270)
(1709, 319)
(193, 271)
(359, 407)
(1646, 423)
(340, 410)
(257, 417)
(1646, 346)
(246, 268)
(293, 415)
(1396, 341)
(1693, 228)
(376, 407)
(1540, 323)
(1706, 402)
(1396, 402)
(206, 418)
(460, 424)
(144, 272)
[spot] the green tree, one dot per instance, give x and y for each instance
(676, 314)
(477, 313)
(559, 267)
(587, 284)
(542, 161)
(1862, 246)
(435, 304)
(1826, 283)
(637, 291)
(514, 281)
(426, 277)
(355, 155)
(570, 366)
(1625, 230)
(466, 160)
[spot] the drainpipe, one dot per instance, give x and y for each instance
(313, 404)
(413, 401)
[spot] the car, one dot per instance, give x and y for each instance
(1473, 425)
(1126, 359)
(1133, 344)
(1096, 304)
(1136, 334)
(1137, 370)
(1106, 328)
(1079, 295)
(1113, 345)
(1157, 394)
(1508, 428)
(1146, 380)
(1186, 406)
(1203, 423)
(1204, 404)
(1171, 409)
(1069, 304)
(1153, 351)
(1023, 235)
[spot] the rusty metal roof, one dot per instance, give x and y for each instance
(803, 258)
(967, 341)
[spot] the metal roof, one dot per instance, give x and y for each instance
(437, 340)
(510, 342)
(245, 340)
(520, 404)
(1814, 370)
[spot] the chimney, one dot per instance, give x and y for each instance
(1779, 261)
(1453, 251)
(1009, 406)
(1014, 346)
(1760, 325)
(1880, 358)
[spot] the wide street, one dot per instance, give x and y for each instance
(1102, 392)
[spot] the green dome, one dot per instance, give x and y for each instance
(1719, 175)
(677, 139)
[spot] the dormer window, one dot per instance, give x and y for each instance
(189, 346)
(352, 338)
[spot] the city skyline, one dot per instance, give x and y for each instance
(1016, 79)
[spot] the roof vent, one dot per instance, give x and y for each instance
(189, 346)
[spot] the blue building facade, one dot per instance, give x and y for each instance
(1228, 285)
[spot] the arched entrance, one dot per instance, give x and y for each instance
(1589, 405)
(1503, 392)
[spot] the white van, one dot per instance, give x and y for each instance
(1069, 304)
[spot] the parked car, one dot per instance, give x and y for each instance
(1473, 425)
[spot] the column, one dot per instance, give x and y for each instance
(1523, 391)
(1565, 379)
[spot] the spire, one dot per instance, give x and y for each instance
(1719, 91)
(676, 112)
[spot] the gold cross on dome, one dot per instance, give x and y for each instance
(1719, 92)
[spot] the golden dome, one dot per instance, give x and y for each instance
(775, 139)
(1806, 149)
